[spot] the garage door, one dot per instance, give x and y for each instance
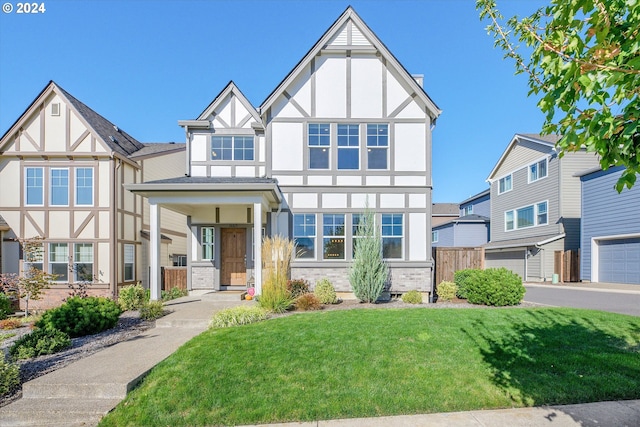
(512, 260)
(619, 261)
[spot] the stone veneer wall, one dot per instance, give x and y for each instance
(402, 279)
(203, 277)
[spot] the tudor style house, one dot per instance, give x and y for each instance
(470, 228)
(535, 205)
(610, 229)
(347, 128)
(62, 170)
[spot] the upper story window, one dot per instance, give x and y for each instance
(392, 235)
(377, 146)
(333, 236)
(319, 142)
(542, 213)
(538, 170)
(34, 184)
(527, 216)
(84, 186)
(434, 236)
(468, 210)
(505, 184)
(232, 148)
(348, 147)
(59, 187)
(304, 235)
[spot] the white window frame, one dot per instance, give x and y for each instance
(510, 176)
(76, 186)
(51, 183)
(326, 148)
(536, 223)
(546, 213)
(53, 262)
(206, 244)
(328, 237)
(35, 256)
(313, 237)
(77, 261)
(383, 236)
(435, 236)
(348, 147)
(386, 148)
(26, 186)
(129, 250)
(537, 166)
(468, 210)
(506, 221)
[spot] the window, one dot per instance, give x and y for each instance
(84, 186)
(357, 226)
(538, 170)
(208, 241)
(59, 261)
(468, 210)
(542, 213)
(179, 260)
(525, 217)
(34, 186)
(319, 143)
(504, 184)
(333, 232)
(348, 147)
(129, 262)
(392, 236)
(304, 235)
(508, 220)
(83, 262)
(60, 187)
(377, 146)
(34, 257)
(242, 148)
(434, 237)
(221, 147)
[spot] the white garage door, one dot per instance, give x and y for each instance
(512, 260)
(619, 261)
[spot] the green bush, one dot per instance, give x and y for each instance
(325, 292)
(152, 310)
(446, 290)
(307, 302)
(496, 286)
(462, 278)
(132, 297)
(241, 315)
(369, 272)
(40, 342)
(297, 287)
(173, 293)
(5, 306)
(412, 297)
(82, 316)
(9, 375)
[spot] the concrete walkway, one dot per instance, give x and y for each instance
(83, 392)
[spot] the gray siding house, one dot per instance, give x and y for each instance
(535, 205)
(470, 229)
(610, 229)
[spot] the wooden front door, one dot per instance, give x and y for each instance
(234, 257)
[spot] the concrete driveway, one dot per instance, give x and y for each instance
(624, 299)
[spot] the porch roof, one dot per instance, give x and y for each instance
(525, 242)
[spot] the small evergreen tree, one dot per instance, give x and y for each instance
(368, 274)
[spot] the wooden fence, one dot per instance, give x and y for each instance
(174, 277)
(449, 260)
(566, 264)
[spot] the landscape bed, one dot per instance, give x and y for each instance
(364, 363)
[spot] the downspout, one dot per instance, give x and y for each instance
(114, 227)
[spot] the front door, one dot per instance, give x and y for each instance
(234, 254)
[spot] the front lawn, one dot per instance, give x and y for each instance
(363, 363)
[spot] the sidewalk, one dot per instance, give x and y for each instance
(596, 287)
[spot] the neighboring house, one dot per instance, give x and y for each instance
(610, 229)
(347, 128)
(62, 170)
(535, 205)
(471, 229)
(444, 212)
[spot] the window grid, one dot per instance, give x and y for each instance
(333, 236)
(348, 146)
(59, 261)
(208, 242)
(392, 234)
(377, 146)
(243, 148)
(34, 178)
(129, 262)
(505, 184)
(319, 142)
(304, 235)
(83, 262)
(34, 257)
(84, 186)
(526, 216)
(59, 187)
(538, 170)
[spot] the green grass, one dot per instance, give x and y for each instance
(362, 363)
(6, 335)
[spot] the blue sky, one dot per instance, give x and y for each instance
(146, 64)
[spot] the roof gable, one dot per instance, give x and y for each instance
(350, 32)
(547, 142)
(227, 94)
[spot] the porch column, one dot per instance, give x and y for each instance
(154, 241)
(257, 247)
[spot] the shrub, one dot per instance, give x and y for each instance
(82, 316)
(5, 306)
(325, 292)
(132, 297)
(152, 310)
(173, 293)
(297, 287)
(446, 290)
(369, 273)
(275, 296)
(307, 302)
(462, 278)
(9, 375)
(40, 342)
(10, 324)
(241, 315)
(496, 286)
(412, 297)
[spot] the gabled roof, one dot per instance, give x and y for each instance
(467, 219)
(525, 242)
(152, 149)
(229, 89)
(544, 140)
(476, 196)
(350, 14)
(110, 135)
(445, 209)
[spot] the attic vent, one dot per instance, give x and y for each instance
(55, 109)
(112, 138)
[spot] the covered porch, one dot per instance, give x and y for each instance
(226, 218)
